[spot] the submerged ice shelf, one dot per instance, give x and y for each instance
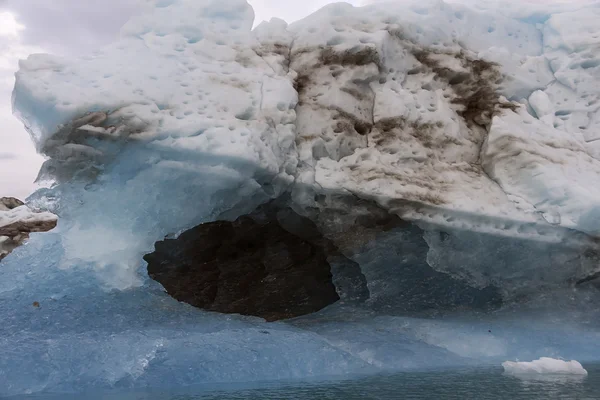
(449, 151)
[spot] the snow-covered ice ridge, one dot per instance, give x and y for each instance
(23, 215)
(436, 111)
(544, 365)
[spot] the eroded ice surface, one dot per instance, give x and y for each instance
(191, 117)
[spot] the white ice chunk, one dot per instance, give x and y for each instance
(542, 106)
(544, 365)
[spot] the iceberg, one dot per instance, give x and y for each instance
(544, 365)
(439, 159)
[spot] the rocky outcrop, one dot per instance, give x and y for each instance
(17, 221)
(251, 266)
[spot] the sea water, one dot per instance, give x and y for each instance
(471, 383)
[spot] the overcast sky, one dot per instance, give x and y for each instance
(72, 27)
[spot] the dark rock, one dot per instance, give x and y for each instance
(24, 228)
(251, 266)
(8, 203)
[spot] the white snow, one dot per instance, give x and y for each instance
(184, 83)
(191, 84)
(572, 48)
(183, 76)
(548, 168)
(543, 107)
(443, 174)
(25, 215)
(545, 366)
(188, 87)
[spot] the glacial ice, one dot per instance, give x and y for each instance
(544, 365)
(191, 117)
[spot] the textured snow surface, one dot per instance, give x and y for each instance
(192, 116)
(548, 168)
(419, 148)
(24, 215)
(544, 365)
(184, 77)
(182, 100)
(374, 113)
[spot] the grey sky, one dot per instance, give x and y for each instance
(74, 26)
(70, 28)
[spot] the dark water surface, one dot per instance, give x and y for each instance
(472, 383)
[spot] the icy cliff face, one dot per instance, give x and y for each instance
(447, 116)
(409, 109)
(427, 141)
